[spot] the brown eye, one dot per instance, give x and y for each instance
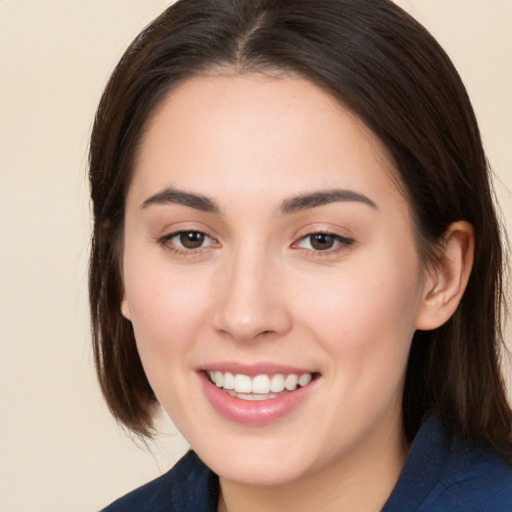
(191, 239)
(186, 241)
(322, 241)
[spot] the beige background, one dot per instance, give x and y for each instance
(59, 449)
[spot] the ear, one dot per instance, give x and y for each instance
(125, 310)
(447, 281)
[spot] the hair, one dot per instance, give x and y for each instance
(386, 68)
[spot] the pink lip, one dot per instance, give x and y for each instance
(255, 413)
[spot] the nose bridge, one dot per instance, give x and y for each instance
(251, 302)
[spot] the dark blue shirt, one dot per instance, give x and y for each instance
(441, 475)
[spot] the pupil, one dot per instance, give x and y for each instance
(322, 242)
(192, 239)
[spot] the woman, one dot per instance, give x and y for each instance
(296, 254)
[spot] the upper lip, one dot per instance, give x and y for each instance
(262, 368)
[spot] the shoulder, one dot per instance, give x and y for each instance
(474, 479)
(188, 486)
(444, 474)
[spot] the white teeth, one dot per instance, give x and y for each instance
(253, 397)
(260, 387)
(291, 382)
(277, 383)
(243, 383)
(261, 384)
(229, 381)
(218, 378)
(304, 379)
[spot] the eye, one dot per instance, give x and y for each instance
(322, 242)
(190, 239)
(183, 241)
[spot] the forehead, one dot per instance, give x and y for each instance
(271, 136)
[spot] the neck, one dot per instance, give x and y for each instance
(358, 481)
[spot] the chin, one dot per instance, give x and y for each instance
(260, 461)
(259, 472)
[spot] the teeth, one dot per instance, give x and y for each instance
(229, 381)
(243, 384)
(260, 387)
(252, 397)
(218, 378)
(304, 379)
(277, 383)
(291, 382)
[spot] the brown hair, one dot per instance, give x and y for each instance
(391, 72)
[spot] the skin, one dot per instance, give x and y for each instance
(258, 291)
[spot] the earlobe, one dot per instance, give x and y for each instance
(125, 310)
(447, 281)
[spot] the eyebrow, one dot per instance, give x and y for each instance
(293, 205)
(320, 198)
(173, 196)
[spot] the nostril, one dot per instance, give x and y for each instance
(251, 319)
(268, 333)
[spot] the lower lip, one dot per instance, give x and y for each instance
(259, 412)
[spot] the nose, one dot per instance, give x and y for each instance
(250, 301)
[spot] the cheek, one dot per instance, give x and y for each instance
(167, 307)
(365, 314)
(167, 317)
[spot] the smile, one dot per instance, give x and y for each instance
(260, 387)
(257, 396)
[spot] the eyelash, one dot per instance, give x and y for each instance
(340, 242)
(166, 242)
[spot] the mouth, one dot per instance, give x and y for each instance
(257, 395)
(259, 387)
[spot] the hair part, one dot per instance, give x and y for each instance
(390, 72)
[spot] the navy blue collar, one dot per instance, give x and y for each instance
(441, 473)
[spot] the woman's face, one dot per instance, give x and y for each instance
(266, 242)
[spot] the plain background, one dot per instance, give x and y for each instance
(59, 448)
